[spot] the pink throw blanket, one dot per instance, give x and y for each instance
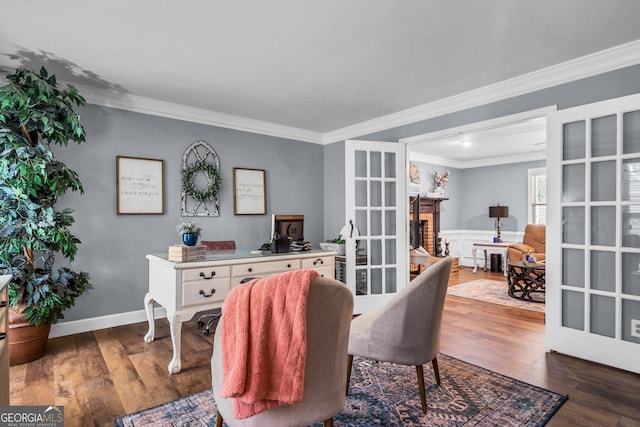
(264, 342)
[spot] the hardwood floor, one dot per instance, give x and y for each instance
(101, 375)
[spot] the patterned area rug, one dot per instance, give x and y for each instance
(384, 394)
(493, 291)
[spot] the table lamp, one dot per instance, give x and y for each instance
(498, 212)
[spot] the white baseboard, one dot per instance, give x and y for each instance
(102, 322)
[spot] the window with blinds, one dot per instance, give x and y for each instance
(538, 196)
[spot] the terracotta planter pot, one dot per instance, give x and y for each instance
(26, 342)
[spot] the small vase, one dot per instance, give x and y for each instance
(189, 239)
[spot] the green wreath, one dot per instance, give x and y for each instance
(189, 188)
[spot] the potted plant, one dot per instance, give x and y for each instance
(35, 113)
(189, 231)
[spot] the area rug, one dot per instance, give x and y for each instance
(493, 291)
(384, 394)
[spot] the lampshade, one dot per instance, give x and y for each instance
(498, 211)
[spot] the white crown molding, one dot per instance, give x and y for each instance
(170, 110)
(597, 63)
(478, 163)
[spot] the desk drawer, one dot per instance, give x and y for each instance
(205, 273)
(321, 261)
(327, 271)
(254, 269)
(204, 291)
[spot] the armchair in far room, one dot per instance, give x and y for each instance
(533, 242)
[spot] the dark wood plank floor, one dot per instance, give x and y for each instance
(101, 375)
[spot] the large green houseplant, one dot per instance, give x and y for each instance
(34, 114)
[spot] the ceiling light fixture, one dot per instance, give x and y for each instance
(465, 143)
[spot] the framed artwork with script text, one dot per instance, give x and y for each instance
(249, 192)
(139, 185)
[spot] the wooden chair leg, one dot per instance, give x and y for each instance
(218, 419)
(423, 394)
(328, 423)
(436, 371)
(349, 365)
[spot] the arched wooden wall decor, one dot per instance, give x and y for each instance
(200, 181)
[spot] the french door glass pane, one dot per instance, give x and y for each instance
(603, 225)
(603, 271)
(376, 164)
(376, 223)
(631, 274)
(390, 280)
(361, 222)
(390, 222)
(631, 180)
(376, 281)
(376, 194)
(390, 251)
(390, 165)
(630, 310)
(603, 181)
(376, 252)
(573, 310)
(573, 225)
(574, 140)
(573, 183)
(603, 136)
(361, 164)
(390, 194)
(361, 193)
(631, 226)
(631, 132)
(573, 267)
(361, 281)
(603, 320)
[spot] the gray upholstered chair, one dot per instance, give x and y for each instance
(406, 330)
(329, 313)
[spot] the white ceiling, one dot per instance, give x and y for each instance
(317, 70)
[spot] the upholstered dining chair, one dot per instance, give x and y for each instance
(406, 330)
(206, 320)
(329, 313)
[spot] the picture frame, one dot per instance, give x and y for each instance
(139, 186)
(249, 192)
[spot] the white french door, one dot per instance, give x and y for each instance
(593, 232)
(376, 211)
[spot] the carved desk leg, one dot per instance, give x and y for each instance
(148, 307)
(175, 326)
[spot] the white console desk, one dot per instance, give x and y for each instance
(501, 248)
(186, 288)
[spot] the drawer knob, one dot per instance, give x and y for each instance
(318, 261)
(204, 276)
(288, 265)
(250, 269)
(204, 294)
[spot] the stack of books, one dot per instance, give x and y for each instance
(183, 253)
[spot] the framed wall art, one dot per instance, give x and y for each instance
(139, 185)
(249, 192)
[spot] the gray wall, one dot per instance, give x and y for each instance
(471, 191)
(114, 246)
(490, 185)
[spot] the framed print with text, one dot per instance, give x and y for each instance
(249, 192)
(139, 185)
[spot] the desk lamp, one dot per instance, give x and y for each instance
(498, 212)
